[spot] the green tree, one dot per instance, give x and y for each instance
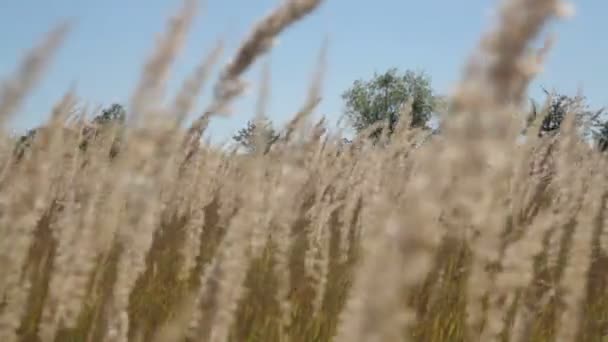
(246, 137)
(560, 105)
(23, 143)
(381, 98)
(601, 137)
(113, 114)
(108, 124)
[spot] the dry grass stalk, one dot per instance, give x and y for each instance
(30, 71)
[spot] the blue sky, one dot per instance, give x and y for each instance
(105, 52)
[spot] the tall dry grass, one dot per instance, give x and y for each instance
(467, 237)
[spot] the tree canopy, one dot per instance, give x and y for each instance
(381, 99)
(246, 137)
(560, 105)
(111, 116)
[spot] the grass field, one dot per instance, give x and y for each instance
(145, 233)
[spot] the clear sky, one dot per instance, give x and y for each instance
(105, 51)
